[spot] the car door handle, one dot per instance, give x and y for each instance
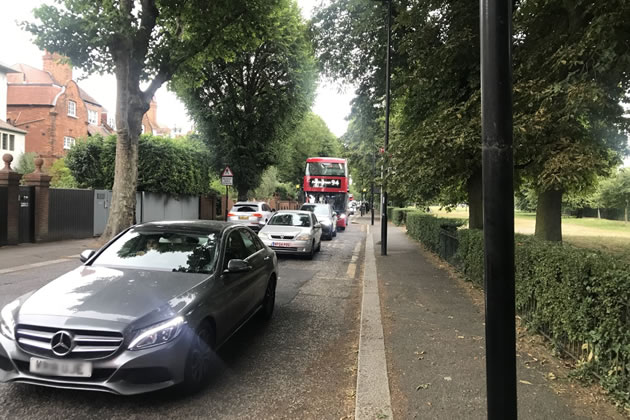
(267, 258)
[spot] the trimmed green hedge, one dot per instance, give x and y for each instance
(426, 228)
(399, 215)
(576, 295)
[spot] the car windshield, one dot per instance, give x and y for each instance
(291, 219)
(162, 250)
(318, 210)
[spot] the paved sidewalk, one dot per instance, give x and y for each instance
(434, 343)
(15, 257)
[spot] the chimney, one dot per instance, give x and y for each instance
(59, 67)
(152, 112)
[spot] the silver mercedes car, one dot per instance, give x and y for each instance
(145, 312)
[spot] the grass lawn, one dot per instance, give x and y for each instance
(607, 235)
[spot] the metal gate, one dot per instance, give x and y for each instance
(26, 228)
(102, 203)
(70, 214)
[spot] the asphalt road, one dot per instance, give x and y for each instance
(300, 365)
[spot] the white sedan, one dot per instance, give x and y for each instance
(293, 232)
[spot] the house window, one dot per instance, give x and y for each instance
(68, 142)
(72, 108)
(11, 142)
(5, 139)
(92, 117)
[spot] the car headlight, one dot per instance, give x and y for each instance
(7, 323)
(157, 334)
(303, 237)
(263, 235)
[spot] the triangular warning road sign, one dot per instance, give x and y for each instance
(227, 172)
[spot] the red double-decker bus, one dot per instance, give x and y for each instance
(326, 181)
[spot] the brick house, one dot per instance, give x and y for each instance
(52, 107)
(12, 139)
(150, 124)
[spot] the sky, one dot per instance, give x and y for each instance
(332, 104)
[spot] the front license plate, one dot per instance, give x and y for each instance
(243, 217)
(61, 368)
(281, 244)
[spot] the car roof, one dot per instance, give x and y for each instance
(196, 226)
(315, 204)
(249, 203)
(293, 211)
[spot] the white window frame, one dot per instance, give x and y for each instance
(92, 113)
(72, 108)
(68, 142)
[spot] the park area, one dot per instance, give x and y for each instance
(610, 236)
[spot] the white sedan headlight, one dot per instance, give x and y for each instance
(7, 323)
(157, 334)
(303, 237)
(263, 235)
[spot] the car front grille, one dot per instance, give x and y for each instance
(284, 248)
(86, 344)
(285, 237)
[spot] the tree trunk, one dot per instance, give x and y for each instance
(549, 216)
(625, 216)
(242, 194)
(599, 214)
(131, 105)
(474, 187)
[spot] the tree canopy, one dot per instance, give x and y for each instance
(141, 42)
(247, 104)
(568, 84)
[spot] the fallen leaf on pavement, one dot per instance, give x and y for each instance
(551, 376)
(448, 378)
(525, 382)
(423, 386)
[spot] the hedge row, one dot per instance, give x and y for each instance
(165, 165)
(577, 295)
(399, 215)
(426, 228)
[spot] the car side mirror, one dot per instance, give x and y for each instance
(237, 266)
(273, 210)
(86, 255)
(318, 225)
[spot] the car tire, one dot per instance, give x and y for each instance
(319, 246)
(269, 300)
(311, 254)
(200, 359)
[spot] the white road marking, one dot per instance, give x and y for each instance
(33, 265)
(373, 400)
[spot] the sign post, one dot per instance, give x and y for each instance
(227, 179)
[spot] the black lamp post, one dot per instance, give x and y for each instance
(498, 206)
(386, 144)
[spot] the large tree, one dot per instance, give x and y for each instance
(614, 192)
(144, 43)
(571, 63)
(247, 104)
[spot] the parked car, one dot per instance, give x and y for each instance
(145, 312)
(326, 216)
(293, 232)
(253, 215)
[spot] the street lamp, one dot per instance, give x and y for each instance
(384, 175)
